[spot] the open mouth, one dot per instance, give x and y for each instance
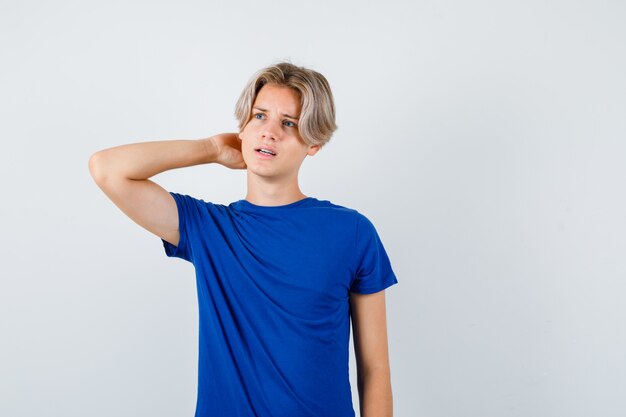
(265, 151)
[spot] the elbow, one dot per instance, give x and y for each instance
(97, 167)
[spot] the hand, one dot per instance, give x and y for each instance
(227, 148)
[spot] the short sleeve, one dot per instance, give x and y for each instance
(187, 208)
(373, 270)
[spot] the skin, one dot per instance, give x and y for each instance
(123, 174)
(369, 330)
(273, 182)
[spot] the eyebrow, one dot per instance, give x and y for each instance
(284, 114)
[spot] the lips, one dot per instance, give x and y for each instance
(267, 148)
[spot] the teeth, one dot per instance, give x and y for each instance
(266, 151)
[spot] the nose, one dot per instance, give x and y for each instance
(271, 130)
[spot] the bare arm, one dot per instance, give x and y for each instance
(369, 328)
(140, 161)
(122, 173)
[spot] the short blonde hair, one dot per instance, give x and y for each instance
(317, 115)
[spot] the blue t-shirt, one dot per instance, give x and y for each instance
(273, 287)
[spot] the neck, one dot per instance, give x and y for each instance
(264, 193)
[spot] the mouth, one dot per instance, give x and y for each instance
(265, 151)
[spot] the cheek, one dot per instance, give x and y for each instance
(249, 132)
(246, 136)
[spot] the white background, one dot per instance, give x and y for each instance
(484, 139)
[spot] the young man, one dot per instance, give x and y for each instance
(279, 274)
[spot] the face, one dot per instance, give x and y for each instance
(274, 126)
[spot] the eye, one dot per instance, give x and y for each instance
(258, 114)
(292, 123)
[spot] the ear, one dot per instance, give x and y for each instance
(313, 149)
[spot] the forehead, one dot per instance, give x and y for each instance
(283, 97)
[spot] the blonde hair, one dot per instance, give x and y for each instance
(317, 115)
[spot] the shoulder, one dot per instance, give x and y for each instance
(198, 206)
(353, 211)
(359, 221)
(338, 211)
(338, 208)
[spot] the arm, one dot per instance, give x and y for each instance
(369, 328)
(122, 173)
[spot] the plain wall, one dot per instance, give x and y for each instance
(485, 140)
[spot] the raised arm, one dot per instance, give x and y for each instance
(122, 173)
